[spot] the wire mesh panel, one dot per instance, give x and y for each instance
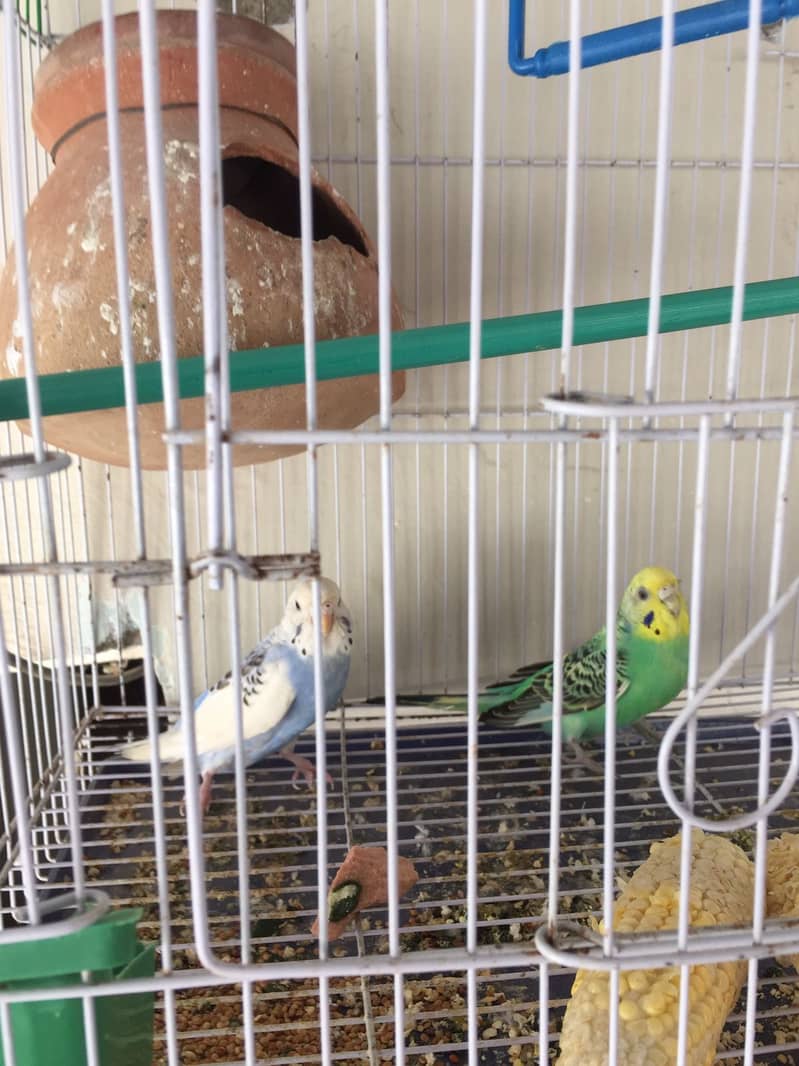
(597, 279)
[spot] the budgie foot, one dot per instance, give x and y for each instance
(582, 757)
(205, 791)
(205, 794)
(304, 770)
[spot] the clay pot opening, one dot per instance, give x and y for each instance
(270, 194)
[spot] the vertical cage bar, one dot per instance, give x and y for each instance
(169, 377)
(115, 592)
(220, 498)
(744, 199)
(661, 200)
(213, 274)
(572, 170)
(19, 791)
(9, 1052)
(90, 581)
(609, 834)
(309, 337)
(15, 148)
(383, 119)
(90, 1032)
(473, 543)
(697, 593)
(137, 499)
(764, 753)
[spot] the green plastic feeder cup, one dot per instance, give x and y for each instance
(52, 1031)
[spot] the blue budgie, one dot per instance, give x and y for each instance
(277, 687)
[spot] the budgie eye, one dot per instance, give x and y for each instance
(643, 594)
(297, 604)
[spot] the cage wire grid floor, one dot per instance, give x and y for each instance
(514, 788)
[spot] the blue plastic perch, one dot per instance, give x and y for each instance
(695, 24)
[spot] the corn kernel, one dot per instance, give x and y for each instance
(629, 1010)
(656, 1057)
(638, 980)
(656, 1027)
(653, 1003)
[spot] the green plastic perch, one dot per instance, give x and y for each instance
(92, 390)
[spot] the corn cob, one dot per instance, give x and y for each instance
(782, 882)
(722, 880)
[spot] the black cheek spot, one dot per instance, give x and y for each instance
(303, 651)
(657, 632)
(649, 619)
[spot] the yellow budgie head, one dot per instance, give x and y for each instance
(654, 606)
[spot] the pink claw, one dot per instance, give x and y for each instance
(205, 791)
(304, 770)
(205, 795)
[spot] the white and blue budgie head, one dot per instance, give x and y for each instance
(336, 625)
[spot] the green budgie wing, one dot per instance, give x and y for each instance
(526, 698)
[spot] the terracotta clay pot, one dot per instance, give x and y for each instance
(71, 247)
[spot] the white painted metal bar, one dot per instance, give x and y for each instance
(792, 346)
(137, 501)
(555, 161)
(700, 88)
(686, 844)
(112, 547)
(76, 664)
(219, 470)
(609, 831)
(558, 498)
(19, 791)
(309, 337)
(9, 1051)
(32, 637)
(473, 511)
(742, 821)
(364, 438)
(90, 1032)
(383, 120)
(84, 520)
(167, 344)
(84, 639)
(5, 797)
(446, 524)
(256, 547)
(15, 148)
(203, 582)
(712, 947)
(572, 170)
(660, 212)
(553, 877)
(213, 275)
(764, 760)
(744, 199)
(417, 260)
(765, 349)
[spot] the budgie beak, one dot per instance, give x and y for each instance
(327, 618)
(670, 596)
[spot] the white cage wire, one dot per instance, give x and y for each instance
(488, 518)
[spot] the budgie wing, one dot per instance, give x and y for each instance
(267, 696)
(584, 674)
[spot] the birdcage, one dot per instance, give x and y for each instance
(477, 310)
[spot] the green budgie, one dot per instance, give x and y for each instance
(651, 668)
